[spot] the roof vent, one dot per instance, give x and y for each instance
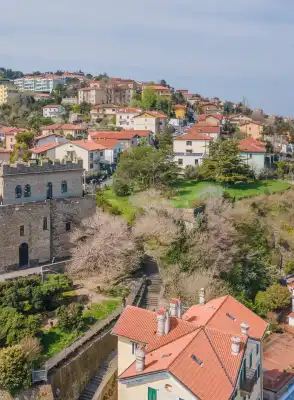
(166, 355)
(231, 316)
(197, 360)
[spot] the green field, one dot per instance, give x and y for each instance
(122, 203)
(189, 191)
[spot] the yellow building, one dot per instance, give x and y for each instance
(180, 111)
(5, 92)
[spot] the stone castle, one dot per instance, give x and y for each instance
(39, 206)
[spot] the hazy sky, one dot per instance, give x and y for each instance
(224, 48)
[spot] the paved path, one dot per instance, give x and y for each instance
(29, 271)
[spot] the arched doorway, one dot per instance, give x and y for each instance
(49, 190)
(23, 255)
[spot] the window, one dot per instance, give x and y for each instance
(188, 151)
(189, 143)
(18, 191)
(101, 153)
(250, 155)
(134, 347)
(21, 230)
(180, 161)
(27, 191)
(49, 190)
(11, 140)
(196, 162)
(91, 166)
(91, 156)
(250, 360)
(63, 187)
(152, 394)
(68, 226)
(258, 371)
(257, 348)
(45, 224)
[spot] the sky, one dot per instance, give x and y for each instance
(223, 48)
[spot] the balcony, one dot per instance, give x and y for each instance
(190, 154)
(246, 386)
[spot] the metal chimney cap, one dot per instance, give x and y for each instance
(244, 325)
(236, 339)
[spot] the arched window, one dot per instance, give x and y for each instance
(63, 187)
(27, 191)
(49, 190)
(18, 191)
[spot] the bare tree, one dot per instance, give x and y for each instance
(104, 246)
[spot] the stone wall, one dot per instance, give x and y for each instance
(42, 392)
(43, 244)
(71, 378)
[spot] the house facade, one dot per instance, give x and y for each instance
(180, 111)
(53, 110)
(9, 133)
(91, 95)
(213, 351)
(211, 119)
(125, 117)
(64, 130)
(104, 111)
(41, 83)
(127, 139)
(150, 120)
(191, 148)
(7, 91)
(254, 153)
(4, 156)
(251, 129)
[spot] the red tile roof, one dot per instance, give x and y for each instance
(47, 135)
(129, 110)
(143, 132)
(107, 143)
(44, 147)
(52, 106)
(203, 128)
(252, 146)
(9, 130)
(205, 331)
(194, 136)
(180, 106)
(155, 114)
(202, 117)
(62, 127)
(88, 145)
(122, 135)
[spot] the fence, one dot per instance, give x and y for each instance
(134, 297)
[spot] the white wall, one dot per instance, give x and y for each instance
(255, 160)
(125, 120)
(198, 146)
(142, 123)
(62, 151)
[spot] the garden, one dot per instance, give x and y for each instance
(40, 318)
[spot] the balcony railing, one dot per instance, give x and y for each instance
(190, 154)
(248, 383)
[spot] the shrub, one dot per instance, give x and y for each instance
(70, 317)
(191, 172)
(121, 187)
(14, 369)
(289, 267)
(276, 296)
(31, 347)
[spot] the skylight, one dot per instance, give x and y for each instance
(197, 360)
(231, 316)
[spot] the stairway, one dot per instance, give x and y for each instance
(96, 380)
(150, 298)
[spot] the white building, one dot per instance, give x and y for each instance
(191, 148)
(39, 83)
(213, 351)
(53, 110)
(125, 117)
(150, 120)
(91, 95)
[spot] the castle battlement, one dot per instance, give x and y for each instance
(42, 168)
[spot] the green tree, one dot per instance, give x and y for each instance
(164, 105)
(224, 164)
(70, 317)
(165, 140)
(85, 108)
(58, 93)
(149, 99)
(275, 297)
(144, 167)
(14, 369)
(26, 137)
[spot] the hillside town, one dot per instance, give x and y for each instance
(146, 249)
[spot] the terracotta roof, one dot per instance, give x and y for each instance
(203, 129)
(107, 143)
(142, 132)
(9, 130)
(122, 135)
(202, 117)
(4, 150)
(180, 106)
(129, 110)
(62, 127)
(198, 333)
(88, 145)
(44, 147)
(105, 106)
(194, 136)
(252, 146)
(155, 114)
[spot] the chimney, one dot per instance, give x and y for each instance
(244, 328)
(173, 307)
(140, 359)
(292, 301)
(161, 316)
(202, 296)
(167, 323)
(236, 341)
(179, 308)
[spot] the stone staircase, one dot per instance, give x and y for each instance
(96, 380)
(151, 296)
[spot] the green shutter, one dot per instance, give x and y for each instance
(152, 394)
(250, 360)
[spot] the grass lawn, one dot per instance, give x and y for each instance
(188, 191)
(55, 339)
(122, 203)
